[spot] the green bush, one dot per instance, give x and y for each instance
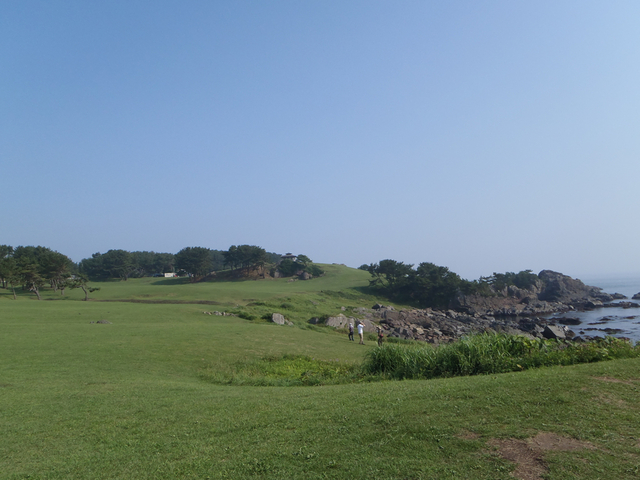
(489, 353)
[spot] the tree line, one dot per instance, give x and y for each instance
(196, 262)
(32, 268)
(432, 286)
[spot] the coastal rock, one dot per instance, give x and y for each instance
(568, 321)
(564, 289)
(636, 296)
(339, 321)
(553, 331)
(622, 305)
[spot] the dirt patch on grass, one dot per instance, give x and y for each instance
(614, 380)
(611, 400)
(528, 455)
(467, 435)
(551, 441)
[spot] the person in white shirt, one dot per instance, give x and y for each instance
(361, 332)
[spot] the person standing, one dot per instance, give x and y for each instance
(351, 332)
(380, 336)
(361, 332)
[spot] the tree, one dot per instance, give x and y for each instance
(389, 274)
(428, 285)
(118, 264)
(524, 279)
(217, 259)
(143, 263)
(81, 281)
(195, 261)
(93, 267)
(54, 267)
(435, 286)
(248, 257)
(304, 260)
(288, 267)
(31, 278)
(164, 262)
(6, 252)
(38, 265)
(10, 274)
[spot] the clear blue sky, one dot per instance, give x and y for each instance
(482, 136)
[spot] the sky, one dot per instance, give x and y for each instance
(482, 136)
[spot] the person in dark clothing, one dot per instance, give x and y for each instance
(351, 332)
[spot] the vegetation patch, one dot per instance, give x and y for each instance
(489, 353)
(285, 370)
(474, 355)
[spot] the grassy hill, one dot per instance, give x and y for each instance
(136, 398)
(254, 298)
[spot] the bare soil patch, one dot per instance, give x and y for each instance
(528, 455)
(467, 435)
(611, 400)
(614, 380)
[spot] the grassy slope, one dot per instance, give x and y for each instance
(337, 278)
(128, 400)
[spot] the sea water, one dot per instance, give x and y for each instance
(593, 322)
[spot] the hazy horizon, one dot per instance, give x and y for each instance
(484, 137)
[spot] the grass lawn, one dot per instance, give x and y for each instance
(131, 400)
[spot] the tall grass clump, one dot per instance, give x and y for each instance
(285, 370)
(489, 353)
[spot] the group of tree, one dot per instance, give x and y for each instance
(195, 262)
(123, 264)
(246, 257)
(433, 286)
(244, 260)
(199, 262)
(302, 263)
(524, 279)
(33, 268)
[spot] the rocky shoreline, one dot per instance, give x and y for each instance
(511, 310)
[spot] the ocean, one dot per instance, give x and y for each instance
(626, 320)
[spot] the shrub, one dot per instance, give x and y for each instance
(489, 353)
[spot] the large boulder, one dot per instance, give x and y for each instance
(278, 318)
(564, 289)
(553, 331)
(339, 321)
(369, 326)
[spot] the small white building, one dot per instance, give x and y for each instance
(289, 256)
(169, 275)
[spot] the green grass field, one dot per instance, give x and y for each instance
(134, 399)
